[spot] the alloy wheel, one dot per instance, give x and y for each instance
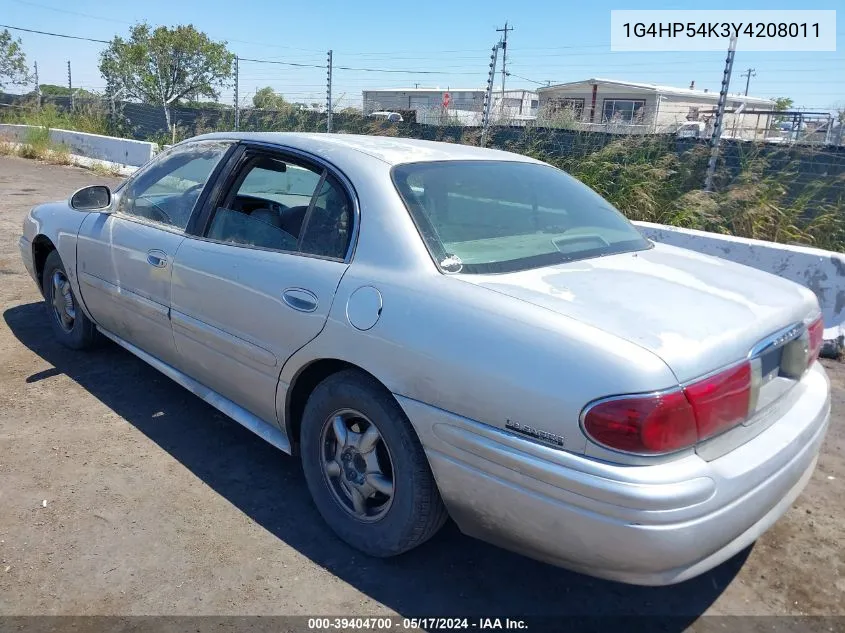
(64, 309)
(357, 465)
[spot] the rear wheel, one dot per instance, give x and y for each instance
(70, 325)
(366, 469)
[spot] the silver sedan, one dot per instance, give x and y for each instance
(441, 330)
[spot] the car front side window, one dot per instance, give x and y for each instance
(167, 190)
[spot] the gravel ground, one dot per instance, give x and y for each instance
(157, 504)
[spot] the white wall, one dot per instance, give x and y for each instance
(823, 272)
(109, 148)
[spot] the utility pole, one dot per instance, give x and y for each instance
(37, 88)
(749, 73)
(69, 84)
(237, 103)
(716, 138)
(329, 93)
(488, 95)
(504, 47)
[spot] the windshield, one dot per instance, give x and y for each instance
(497, 216)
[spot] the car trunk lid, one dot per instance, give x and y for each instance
(698, 313)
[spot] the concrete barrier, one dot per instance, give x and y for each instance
(122, 151)
(823, 272)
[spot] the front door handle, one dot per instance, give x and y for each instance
(300, 299)
(157, 258)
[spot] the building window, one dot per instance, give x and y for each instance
(571, 104)
(535, 103)
(623, 110)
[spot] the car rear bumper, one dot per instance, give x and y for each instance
(650, 525)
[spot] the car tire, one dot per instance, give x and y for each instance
(70, 325)
(414, 511)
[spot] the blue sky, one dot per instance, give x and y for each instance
(552, 40)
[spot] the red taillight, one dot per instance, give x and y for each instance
(661, 423)
(670, 421)
(721, 401)
(816, 332)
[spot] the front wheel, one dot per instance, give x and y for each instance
(70, 325)
(366, 469)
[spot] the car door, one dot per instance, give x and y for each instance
(258, 281)
(124, 259)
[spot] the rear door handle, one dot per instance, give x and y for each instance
(157, 258)
(300, 299)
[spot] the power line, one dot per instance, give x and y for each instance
(692, 64)
(533, 81)
(58, 10)
(471, 50)
(70, 37)
(260, 61)
(367, 70)
(96, 17)
(274, 61)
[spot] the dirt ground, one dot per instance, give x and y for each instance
(157, 504)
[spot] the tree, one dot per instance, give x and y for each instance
(268, 99)
(164, 66)
(13, 70)
(52, 90)
(783, 103)
(205, 105)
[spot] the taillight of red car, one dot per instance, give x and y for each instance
(816, 334)
(670, 421)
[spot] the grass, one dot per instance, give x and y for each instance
(101, 169)
(8, 148)
(38, 146)
(91, 118)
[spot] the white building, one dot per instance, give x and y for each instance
(516, 105)
(464, 106)
(629, 107)
(424, 99)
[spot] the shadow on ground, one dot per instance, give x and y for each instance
(450, 575)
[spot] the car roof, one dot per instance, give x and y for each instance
(388, 149)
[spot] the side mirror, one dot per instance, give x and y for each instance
(93, 198)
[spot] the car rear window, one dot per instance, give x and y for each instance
(501, 216)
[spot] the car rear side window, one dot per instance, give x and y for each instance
(500, 216)
(282, 205)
